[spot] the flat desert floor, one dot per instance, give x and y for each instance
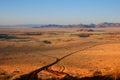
(80, 52)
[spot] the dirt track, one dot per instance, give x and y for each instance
(33, 75)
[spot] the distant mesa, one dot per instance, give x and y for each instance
(101, 25)
(106, 24)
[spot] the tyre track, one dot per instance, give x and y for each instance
(33, 75)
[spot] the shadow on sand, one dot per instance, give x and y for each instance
(75, 78)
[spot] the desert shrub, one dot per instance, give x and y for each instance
(90, 30)
(47, 42)
(33, 33)
(97, 73)
(84, 35)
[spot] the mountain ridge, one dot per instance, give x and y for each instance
(100, 25)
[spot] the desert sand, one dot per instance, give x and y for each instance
(80, 56)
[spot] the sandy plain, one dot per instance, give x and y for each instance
(27, 49)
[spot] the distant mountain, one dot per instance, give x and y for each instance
(67, 26)
(89, 25)
(20, 25)
(106, 24)
(5, 26)
(101, 25)
(28, 25)
(49, 26)
(60, 26)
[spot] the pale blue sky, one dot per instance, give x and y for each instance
(59, 11)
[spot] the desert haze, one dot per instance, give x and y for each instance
(59, 53)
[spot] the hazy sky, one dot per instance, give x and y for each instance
(59, 11)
